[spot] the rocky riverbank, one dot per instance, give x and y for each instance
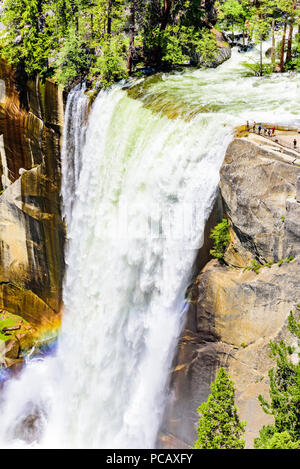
(236, 308)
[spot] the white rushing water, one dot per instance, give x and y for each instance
(76, 116)
(135, 216)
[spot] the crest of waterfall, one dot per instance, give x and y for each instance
(139, 195)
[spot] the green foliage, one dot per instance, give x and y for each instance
(27, 38)
(254, 265)
(285, 259)
(167, 43)
(219, 426)
(257, 21)
(289, 259)
(221, 237)
(206, 46)
(191, 12)
(255, 69)
(294, 62)
(105, 40)
(178, 44)
(75, 39)
(110, 65)
(281, 441)
(284, 394)
(8, 320)
(232, 12)
(74, 59)
(270, 439)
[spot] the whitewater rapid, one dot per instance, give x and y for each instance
(138, 186)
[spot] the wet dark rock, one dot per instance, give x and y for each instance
(30, 426)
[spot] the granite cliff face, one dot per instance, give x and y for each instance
(32, 233)
(234, 312)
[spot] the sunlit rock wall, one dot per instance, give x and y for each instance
(31, 230)
(234, 312)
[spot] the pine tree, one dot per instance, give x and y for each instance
(219, 426)
(233, 13)
(285, 395)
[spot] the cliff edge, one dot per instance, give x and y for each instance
(236, 308)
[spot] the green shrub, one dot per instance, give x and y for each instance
(74, 59)
(221, 237)
(110, 65)
(289, 259)
(177, 44)
(281, 441)
(255, 266)
(253, 69)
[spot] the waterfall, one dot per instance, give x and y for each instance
(76, 116)
(146, 187)
(138, 186)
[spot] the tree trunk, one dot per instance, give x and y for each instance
(131, 35)
(290, 42)
(273, 43)
(109, 8)
(210, 11)
(261, 58)
(64, 14)
(166, 14)
(282, 48)
(92, 25)
(74, 9)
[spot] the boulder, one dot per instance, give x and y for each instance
(255, 183)
(9, 349)
(222, 54)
